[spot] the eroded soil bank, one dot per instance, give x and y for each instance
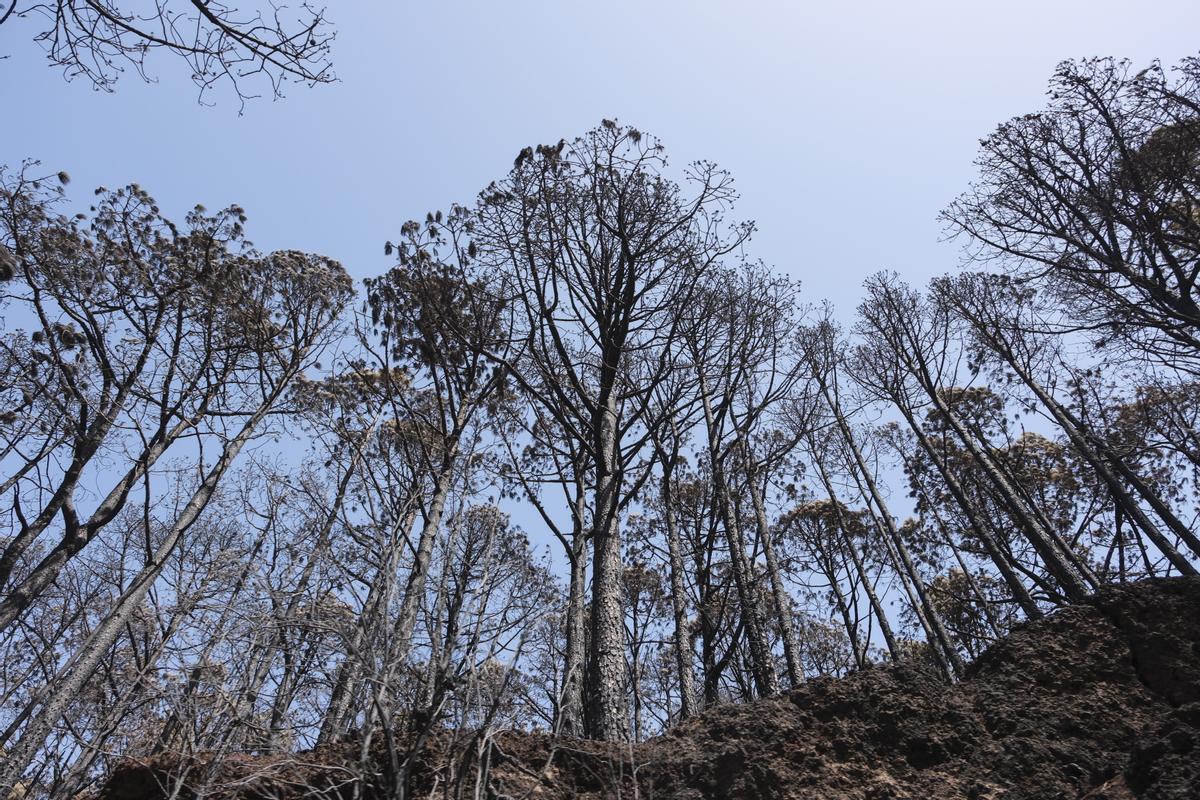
(1100, 700)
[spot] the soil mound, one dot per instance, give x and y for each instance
(1098, 700)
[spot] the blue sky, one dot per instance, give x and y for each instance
(846, 125)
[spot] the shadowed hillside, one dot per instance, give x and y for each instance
(1099, 700)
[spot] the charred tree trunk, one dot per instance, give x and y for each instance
(681, 641)
(783, 601)
(766, 682)
(608, 716)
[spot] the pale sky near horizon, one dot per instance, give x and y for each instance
(846, 126)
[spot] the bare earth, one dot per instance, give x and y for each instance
(1100, 700)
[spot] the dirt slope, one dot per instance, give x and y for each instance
(1100, 700)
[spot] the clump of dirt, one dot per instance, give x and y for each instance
(1100, 701)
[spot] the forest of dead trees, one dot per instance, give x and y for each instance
(249, 507)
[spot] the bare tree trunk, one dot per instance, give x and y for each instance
(681, 640)
(1109, 466)
(414, 590)
(608, 708)
(337, 715)
(885, 627)
(571, 711)
(72, 678)
(948, 656)
(711, 664)
(1054, 552)
(783, 601)
(979, 525)
(437, 644)
(765, 679)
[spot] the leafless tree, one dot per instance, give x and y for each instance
(600, 251)
(1003, 320)
(906, 337)
(270, 317)
(219, 44)
(1095, 200)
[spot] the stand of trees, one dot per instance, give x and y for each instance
(245, 513)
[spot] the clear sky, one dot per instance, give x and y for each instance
(846, 125)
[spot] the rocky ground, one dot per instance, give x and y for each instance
(1100, 701)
